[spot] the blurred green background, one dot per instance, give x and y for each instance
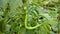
(29, 16)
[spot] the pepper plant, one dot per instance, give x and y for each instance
(29, 16)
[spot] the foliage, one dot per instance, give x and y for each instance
(29, 16)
